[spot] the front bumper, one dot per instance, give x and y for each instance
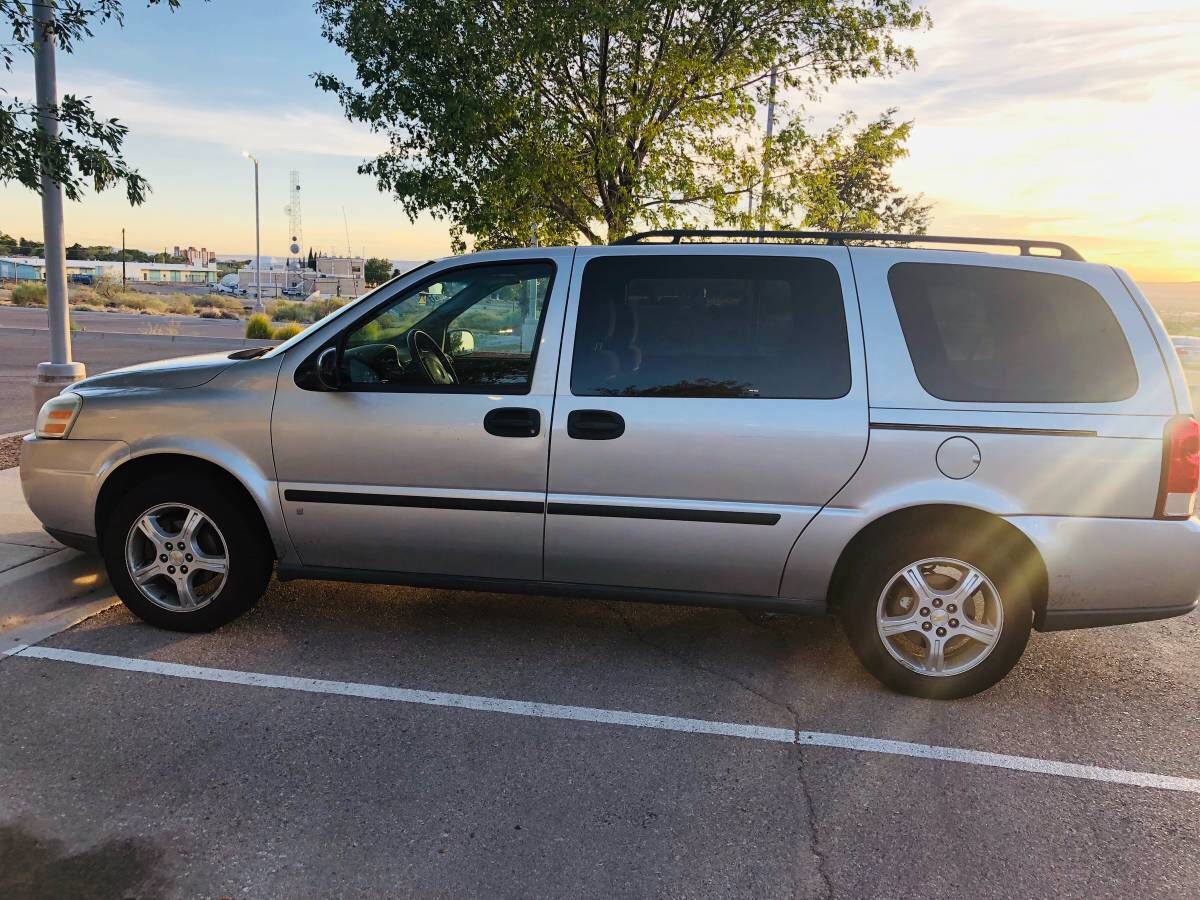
(1107, 571)
(61, 478)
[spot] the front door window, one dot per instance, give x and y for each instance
(470, 330)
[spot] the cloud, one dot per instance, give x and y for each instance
(980, 55)
(1073, 120)
(272, 126)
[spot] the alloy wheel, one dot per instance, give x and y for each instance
(940, 617)
(177, 557)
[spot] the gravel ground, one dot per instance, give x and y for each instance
(10, 451)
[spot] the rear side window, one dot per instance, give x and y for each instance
(978, 333)
(710, 326)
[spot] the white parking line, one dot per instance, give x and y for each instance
(619, 717)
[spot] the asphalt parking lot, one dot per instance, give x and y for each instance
(214, 765)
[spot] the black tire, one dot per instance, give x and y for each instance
(874, 570)
(249, 554)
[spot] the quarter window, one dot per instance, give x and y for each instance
(711, 326)
(998, 335)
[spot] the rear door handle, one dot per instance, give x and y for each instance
(594, 425)
(513, 421)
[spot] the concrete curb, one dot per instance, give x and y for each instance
(47, 587)
(37, 628)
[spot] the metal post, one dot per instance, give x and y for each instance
(258, 304)
(762, 201)
(60, 371)
(122, 259)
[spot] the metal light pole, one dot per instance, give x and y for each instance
(122, 259)
(258, 304)
(762, 200)
(60, 370)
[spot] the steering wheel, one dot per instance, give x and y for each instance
(434, 362)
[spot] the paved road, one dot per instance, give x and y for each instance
(135, 783)
(109, 341)
(127, 323)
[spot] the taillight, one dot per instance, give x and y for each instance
(1181, 468)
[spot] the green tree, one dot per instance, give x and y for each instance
(839, 180)
(377, 270)
(88, 149)
(589, 118)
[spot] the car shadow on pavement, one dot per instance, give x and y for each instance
(40, 868)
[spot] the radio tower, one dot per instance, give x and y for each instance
(294, 226)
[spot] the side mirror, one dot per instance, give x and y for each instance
(459, 341)
(329, 375)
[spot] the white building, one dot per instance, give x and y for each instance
(32, 268)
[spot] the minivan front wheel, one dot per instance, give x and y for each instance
(184, 555)
(936, 616)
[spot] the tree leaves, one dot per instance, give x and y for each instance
(87, 150)
(589, 118)
(377, 270)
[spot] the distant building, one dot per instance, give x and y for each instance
(32, 268)
(336, 276)
(342, 266)
(201, 257)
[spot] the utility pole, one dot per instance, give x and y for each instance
(60, 370)
(762, 200)
(258, 304)
(122, 259)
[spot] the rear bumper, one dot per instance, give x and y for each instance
(1104, 571)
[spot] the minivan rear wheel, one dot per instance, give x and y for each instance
(183, 554)
(936, 615)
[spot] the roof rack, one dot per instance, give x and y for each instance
(678, 235)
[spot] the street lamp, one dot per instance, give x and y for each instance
(258, 304)
(60, 370)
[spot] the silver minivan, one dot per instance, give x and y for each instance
(947, 449)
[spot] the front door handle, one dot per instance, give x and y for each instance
(594, 425)
(513, 421)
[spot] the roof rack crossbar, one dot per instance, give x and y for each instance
(1026, 246)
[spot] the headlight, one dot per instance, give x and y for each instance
(57, 415)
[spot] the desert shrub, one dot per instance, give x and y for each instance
(140, 302)
(210, 312)
(179, 303)
(284, 311)
(288, 330)
(323, 307)
(259, 326)
(303, 311)
(82, 294)
(219, 301)
(29, 293)
(107, 285)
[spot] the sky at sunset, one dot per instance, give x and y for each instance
(1076, 120)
